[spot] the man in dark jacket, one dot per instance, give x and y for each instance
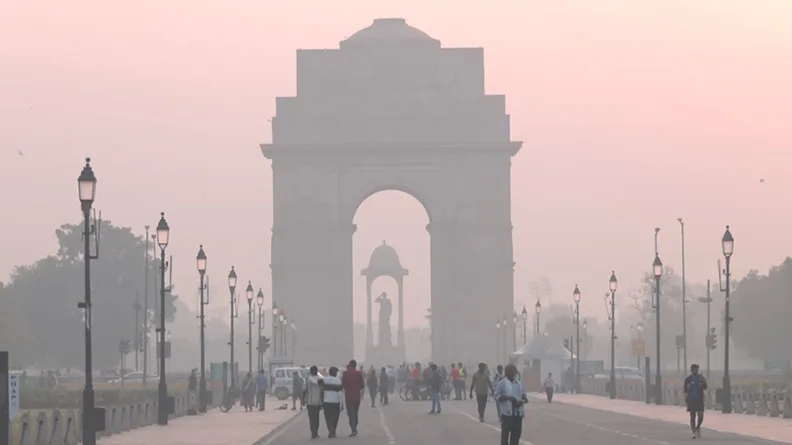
(353, 384)
(435, 386)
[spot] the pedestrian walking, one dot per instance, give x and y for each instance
(495, 379)
(482, 386)
(312, 397)
(192, 388)
(549, 387)
(435, 385)
(262, 383)
(383, 386)
(511, 398)
(297, 389)
(373, 385)
(333, 403)
(353, 384)
(248, 392)
(694, 387)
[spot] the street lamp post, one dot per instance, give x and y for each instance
(727, 242)
(275, 312)
(538, 311)
(576, 297)
(232, 282)
(683, 342)
(86, 187)
(525, 325)
(505, 323)
(614, 283)
(163, 237)
(294, 339)
(708, 301)
(200, 260)
(640, 328)
(497, 340)
(657, 267)
(285, 329)
(249, 296)
(282, 333)
(260, 301)
(514, 330)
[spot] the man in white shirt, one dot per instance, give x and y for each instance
(333, 400)
(511, 399)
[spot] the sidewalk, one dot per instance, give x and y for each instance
(768, 428)
(236, 427)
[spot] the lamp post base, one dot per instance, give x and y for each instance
(202, 396)
(726, 405)
(162, 402)
(89, 423)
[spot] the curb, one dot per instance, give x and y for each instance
(278, 430)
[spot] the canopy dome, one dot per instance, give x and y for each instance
(384, 261)
(389, 31)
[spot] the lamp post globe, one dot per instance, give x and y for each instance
(86, 184)
(613, 282)
(249, 292)
(657, 267)
(727, 243)
(260, 298)
(163, 232)
(538, 307)
(200, 260)
(576, 294)
(524, 314)
(232, 279)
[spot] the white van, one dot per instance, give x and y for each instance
(282, 380)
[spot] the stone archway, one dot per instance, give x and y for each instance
(392, 110)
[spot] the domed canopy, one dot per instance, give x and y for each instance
(389, 32)
(384, 261)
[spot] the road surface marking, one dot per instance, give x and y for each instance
(492, 427)
(606, 430)
(280, 429)
(391, 439)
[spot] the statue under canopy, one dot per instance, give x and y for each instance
(385, 310)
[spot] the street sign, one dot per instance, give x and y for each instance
(14, 394)
(638, 347)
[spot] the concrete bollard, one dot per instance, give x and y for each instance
(774, 405)
(56, 428)
(750, 404)
(762, 408)
(738, 406)
(41, 429)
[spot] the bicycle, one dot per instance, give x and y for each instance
(230, 400)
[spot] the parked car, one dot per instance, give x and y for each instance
(136, 376)
(282, 380)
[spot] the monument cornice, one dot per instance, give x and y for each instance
(333, 150)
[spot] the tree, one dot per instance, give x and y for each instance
(47, 293)
(760, 307)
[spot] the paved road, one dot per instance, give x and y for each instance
(407, 423)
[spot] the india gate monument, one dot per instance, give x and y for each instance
(391, 109)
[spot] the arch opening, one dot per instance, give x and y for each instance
(391, 255)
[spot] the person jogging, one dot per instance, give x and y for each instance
(694, 387)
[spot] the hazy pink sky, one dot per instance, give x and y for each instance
(633, 113)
